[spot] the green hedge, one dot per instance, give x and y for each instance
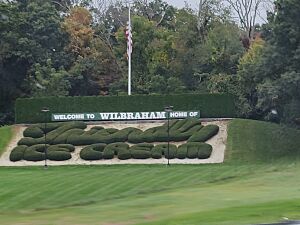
(28, 110)
(204, 134)
(93, 152)
(17, 153)
(33, 132)
(194, 150)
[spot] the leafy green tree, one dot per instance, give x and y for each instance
(29, 33)
(48, 81)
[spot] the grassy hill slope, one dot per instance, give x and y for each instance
(5, 136)
(257, 141)
(243, 190)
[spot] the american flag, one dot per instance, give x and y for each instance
(128, 38)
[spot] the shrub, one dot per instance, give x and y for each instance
(156, 153)
(111, 130)
(140, 154)
(142, 147)
(197, 150)
(163, 148)
(181, 152)
(52, 135)
(204, 134)
(184, 125)
(210, 105)
(124, 154)
(63, 138)
(78, 139)
(136, 136)
(116, 147)
(35, 153)
(204, 152)
(33, 132)
(61, 130)
(108, 153)
(58, 155)
(88, 153)
(50, 126)
(61, 147)
(28, 141)
(17, 153)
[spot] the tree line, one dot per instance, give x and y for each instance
(78, 48)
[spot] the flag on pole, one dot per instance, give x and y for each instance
(128, 38)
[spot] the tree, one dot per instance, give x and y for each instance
(247, 12)
(270, 80)
(29, 33)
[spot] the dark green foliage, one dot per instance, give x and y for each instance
(195, 150)
(121, 135)
(204, 151)
(140, 154)
(210, 105)
(163, 148)
(58, 155)
(124, 154)
(53, 134)
(51, 126)
(204, 134)
(33, 132)
(136, 136)
(63, 138)
(93, 152)
(181, 152)
(35, 153)
(108, 153)
(142, 147)
(29, 141)
(116, 147)
(61, 147)
(156, 153)
(17, 153)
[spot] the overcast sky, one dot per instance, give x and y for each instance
(194, 4)
(180, 3)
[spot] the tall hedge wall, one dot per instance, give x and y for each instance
(211, 105)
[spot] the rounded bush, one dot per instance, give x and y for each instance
(142, 146)
(169, 154)
(33, 132)
(116, 147)
(204, 151)
(140, 154)
(93, 152)
(108, 153)
(61, 147)
(156, 153)
(34, 153)
(17, 153)
(136, 136)
(63, 138)
(197, 150)
(30, 141)
(181, 152)
(58, 155)
(204, 134)
(124, 154)
(88, 153)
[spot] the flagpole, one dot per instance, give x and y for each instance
(129, 56)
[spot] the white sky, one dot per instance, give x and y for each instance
(180, 3)
(194, 5)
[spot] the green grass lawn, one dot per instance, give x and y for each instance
(5, 136)
(240, 191)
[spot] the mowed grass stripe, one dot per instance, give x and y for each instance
(6, 134)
